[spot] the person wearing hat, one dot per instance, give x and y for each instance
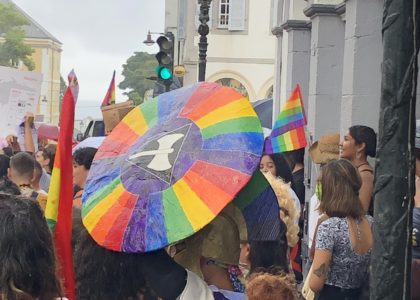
(321, 152)
(105, 274)
(213, 254)
(415, 264)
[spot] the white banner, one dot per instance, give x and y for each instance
(19, 93)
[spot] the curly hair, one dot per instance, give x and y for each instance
(27, 260)
(84, 156)
(288, 212)
(272, 286)
(105, 274)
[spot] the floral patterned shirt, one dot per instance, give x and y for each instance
(348, 269)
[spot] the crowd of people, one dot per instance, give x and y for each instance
(221, 261)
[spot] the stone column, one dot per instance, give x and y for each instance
(296, 65)
(326, 69)
(278, 32)
(362, 64)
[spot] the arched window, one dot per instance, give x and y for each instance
(233, 83)
(269, 93)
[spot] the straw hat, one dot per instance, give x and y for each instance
(219, 241)
(325, 149)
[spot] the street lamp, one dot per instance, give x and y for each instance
(148, 41)
(203, 30)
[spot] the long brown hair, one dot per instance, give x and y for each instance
(340, 184)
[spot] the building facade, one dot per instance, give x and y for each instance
(47, 59)
(241, 46)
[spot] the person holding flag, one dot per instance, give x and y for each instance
(288, 135)
(58, 211)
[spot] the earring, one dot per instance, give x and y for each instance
(358, 155)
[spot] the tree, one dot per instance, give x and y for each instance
(135, 70)
(13, 50)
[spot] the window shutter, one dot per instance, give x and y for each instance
(236, 15)
(197, 14)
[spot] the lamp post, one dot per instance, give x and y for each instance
(203, 30)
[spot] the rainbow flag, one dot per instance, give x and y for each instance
(288, 132)
(58, 211)
(110, 94)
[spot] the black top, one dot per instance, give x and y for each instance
(298, 178)
(416, 232)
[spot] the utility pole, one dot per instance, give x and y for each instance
(394, 171)
(203, 30)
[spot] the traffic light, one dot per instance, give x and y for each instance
(164, 57)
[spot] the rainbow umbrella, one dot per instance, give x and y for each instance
(170, 166)
(261, 210)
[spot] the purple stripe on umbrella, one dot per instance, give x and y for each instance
(134, 237)
(155, 229)
(246, 141)
(237, 160)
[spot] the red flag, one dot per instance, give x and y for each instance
(110, 94)
(60, 201)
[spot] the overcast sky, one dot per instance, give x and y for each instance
(97, 36)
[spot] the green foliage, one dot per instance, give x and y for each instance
(13, 49)
(135, 70)
(10, 18)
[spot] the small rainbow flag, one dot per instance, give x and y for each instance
(110, 94)
(58, 211)
(288, 132)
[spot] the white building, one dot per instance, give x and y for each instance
(241, 50)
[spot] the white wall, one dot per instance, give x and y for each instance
(247, 56)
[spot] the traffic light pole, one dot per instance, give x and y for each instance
(203, 30)
(394, 171)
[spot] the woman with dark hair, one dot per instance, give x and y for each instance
(27, 261)
(120, 275)
(278, 166)
(108, 275)
(264, 255)
(357, 145)
(344, 241)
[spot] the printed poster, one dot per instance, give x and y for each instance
(19, 93)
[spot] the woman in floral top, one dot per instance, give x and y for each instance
(344, 241)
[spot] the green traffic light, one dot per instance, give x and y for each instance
(164, 73)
